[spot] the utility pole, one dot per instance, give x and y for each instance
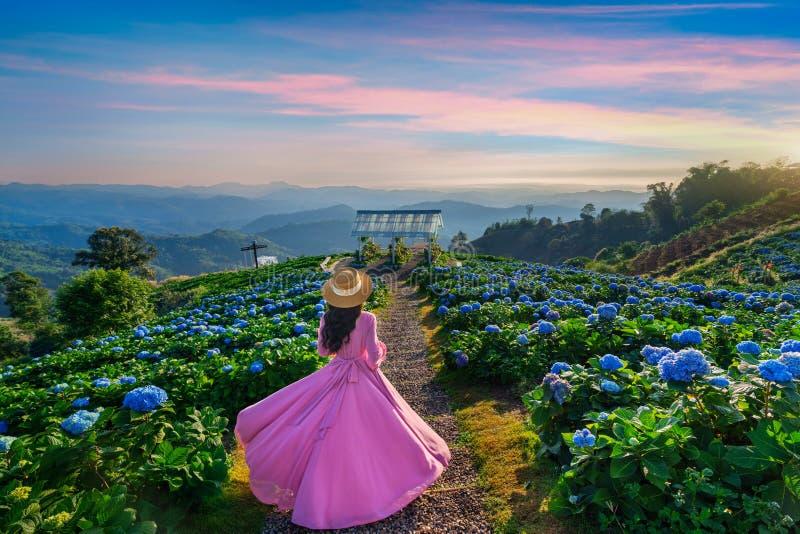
(255, 248)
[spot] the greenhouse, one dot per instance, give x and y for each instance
(397, 224)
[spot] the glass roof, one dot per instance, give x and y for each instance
(397, 223)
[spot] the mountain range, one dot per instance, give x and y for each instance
(201, 229)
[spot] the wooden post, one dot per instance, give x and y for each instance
(255, 247)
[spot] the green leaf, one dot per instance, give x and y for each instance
(791, 477)
(764, 439)
(623, 467)
(749, 459)
(655, 471)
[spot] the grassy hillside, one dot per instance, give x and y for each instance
(698, 243)
(771, 258)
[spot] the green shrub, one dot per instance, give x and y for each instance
(99, 301)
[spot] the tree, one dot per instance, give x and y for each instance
(529, 210)
(458, 241)
(100, 301)
(588, 211)
(11, 346)
(26, 298)
(713, 211)
(118, 248)
(660, 209)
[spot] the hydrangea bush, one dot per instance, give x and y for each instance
(667, 406)
(136, 416)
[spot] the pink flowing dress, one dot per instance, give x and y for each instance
(341, 446)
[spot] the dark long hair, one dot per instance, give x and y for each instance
(339, 322)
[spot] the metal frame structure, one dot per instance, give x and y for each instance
(397, 224)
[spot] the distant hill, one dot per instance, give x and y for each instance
(214, 251)
(193, 210)
(190, 255)
(338, 212)
(52, 263)
(698, 243)
(312, 238)
(473, 219)
(59, 235)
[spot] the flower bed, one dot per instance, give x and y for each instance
(119, 432)
(667, 406)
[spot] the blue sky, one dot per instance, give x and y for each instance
(394, 93)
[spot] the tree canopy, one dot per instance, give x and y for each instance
(118, 248)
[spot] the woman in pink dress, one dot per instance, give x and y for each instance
(341, 447)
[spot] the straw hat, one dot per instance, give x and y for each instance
(347, 288)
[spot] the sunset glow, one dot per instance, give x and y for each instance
(385, 94)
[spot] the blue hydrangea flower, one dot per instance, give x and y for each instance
(256, 367)
(3, 427)
(81, 402)
(546, 327)
(492, 329)
(749, 347)
(654, 354)
(609, 362)
(774, 371)
(465, 308)
(719, 381)
(583, 438)
(460, 358)
(790, 345)
(607, 312)
(602, 416)
(127, 380)
(299, 328)
(79, 422)
(726, 320)
(647, 317)
(560, 367)
(690, 336)
(789, 359)
(609, 386)
(145, 399)
(683, 366)
(5, 443)
(227, 368)
(559, 387)
(522, 339)
(573, 499)
(212, 352)
(101, 382)
(442, 310)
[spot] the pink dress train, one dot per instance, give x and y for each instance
(341, 446)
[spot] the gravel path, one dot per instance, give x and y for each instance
(453, 503)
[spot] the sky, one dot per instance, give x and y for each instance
(394, 94)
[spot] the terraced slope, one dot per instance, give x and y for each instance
(697, 244)
(771, 258)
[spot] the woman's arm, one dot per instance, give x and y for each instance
(322, 350)
(376, 349)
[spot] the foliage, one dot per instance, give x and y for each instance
(11, 345)
(99, 300)
(402, 253)
(371, 251)
(707, 193)
(654, 397)
(26, 298)
(127, 471)
(118, 248)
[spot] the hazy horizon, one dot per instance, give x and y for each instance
(447, 96)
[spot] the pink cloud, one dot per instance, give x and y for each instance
(460, 111)
(614, 9)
